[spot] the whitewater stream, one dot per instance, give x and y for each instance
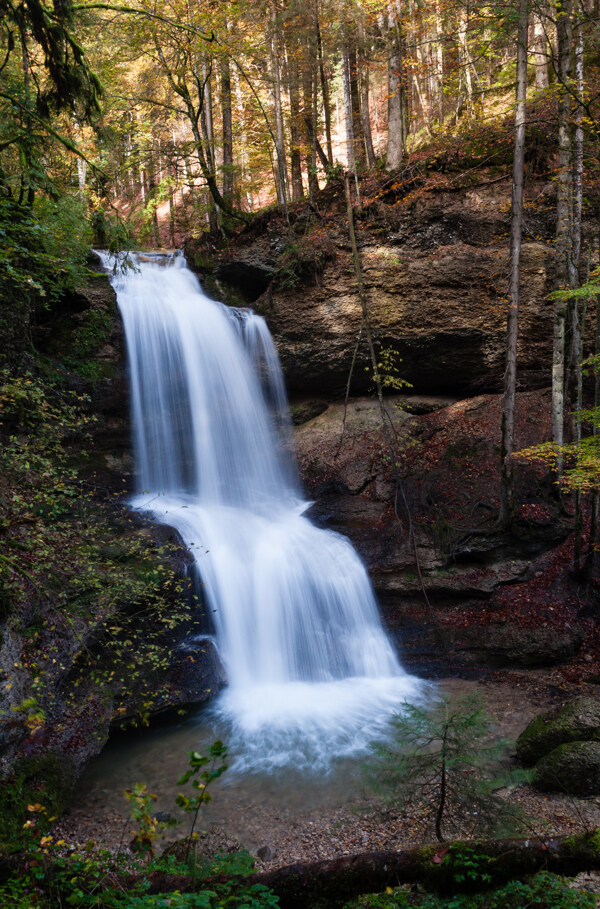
(312, 677)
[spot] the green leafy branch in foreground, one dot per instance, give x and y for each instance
(49, 875)
(217, 753)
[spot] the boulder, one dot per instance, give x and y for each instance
(572, 768)
(576, 721)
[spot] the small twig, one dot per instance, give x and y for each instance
(349, 382)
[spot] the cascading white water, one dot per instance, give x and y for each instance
(311, 673)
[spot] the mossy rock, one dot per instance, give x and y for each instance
(308, 410)
(44, 779)
(576, 721)
(573, 768)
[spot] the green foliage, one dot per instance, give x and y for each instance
(87, 879)
(42, 256)
(591, 288)
(111, 232)
(545, 891)
(201, 780)
(388, 368)
(580, 459)
(438, 761)
(149, 828)
(38, 788)
(304, 258)
(62, 583)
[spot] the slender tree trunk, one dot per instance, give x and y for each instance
(308, 87)
(350, 148)
(439, 60)
(243, 136)
(295, 123)
(564, 216)
(507, 494)
(27, 192)
(540, 55)
(227, 129)
(324, 84)
(151, 188)
(442, 797)
(206, 125)
(590, 558)
(465, 58)
(396, 90)
(364, 95)
(357, 130)
(574, 372)
(282, 182)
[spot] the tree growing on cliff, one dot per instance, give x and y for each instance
(507, 503)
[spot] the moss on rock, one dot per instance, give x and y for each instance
(577, 721)
(572, 768)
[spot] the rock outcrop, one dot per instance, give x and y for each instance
(435, 270)
(576, 721)
(563, 746)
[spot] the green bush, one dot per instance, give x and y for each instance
(545, 891)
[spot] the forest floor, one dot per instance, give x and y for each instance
(289, 833)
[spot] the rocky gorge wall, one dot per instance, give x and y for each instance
(436, 275)
(435, 269)
(454, 590)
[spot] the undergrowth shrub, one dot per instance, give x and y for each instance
(545, 891)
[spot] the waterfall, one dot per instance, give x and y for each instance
(311, 672)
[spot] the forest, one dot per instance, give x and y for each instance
(399, 202)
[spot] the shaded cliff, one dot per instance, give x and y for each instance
(95, 601)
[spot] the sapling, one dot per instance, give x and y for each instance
(217, 755)
(438, 761)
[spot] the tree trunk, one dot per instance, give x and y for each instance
(227, 129)
(540, 55)
(396, 90)
(364, 95)
(151, 188)
(507, 496)
(334, 882)
(357, 130)
(243, 136)
(350, 148)
(295, 125)
(324, 85)
(574, 372)
(590, 558)
(282, 182)
(564, 216)
(308, 87)
(439, 60)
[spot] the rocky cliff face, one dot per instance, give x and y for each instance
(435, 266)
(442, 569)
(435, 270)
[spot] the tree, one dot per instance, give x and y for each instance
(510, 376)
(44, 71)
(437, 760)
